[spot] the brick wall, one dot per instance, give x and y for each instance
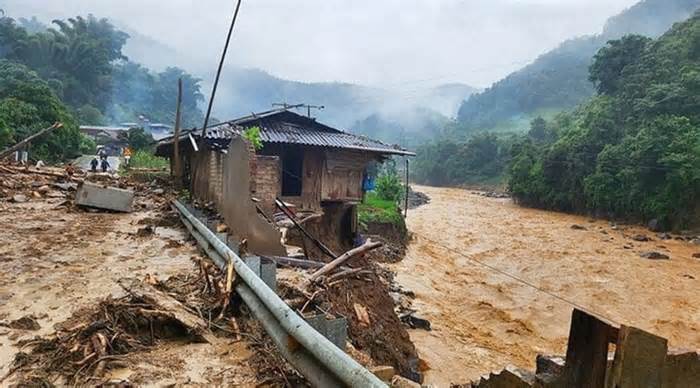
(268, 181)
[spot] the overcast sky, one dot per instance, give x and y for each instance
(395, 43)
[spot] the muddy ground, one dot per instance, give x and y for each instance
(482, 320)
(56, 260)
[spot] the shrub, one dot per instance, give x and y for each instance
(389, 186)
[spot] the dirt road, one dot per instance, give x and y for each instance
(56, 261)
(483, 320)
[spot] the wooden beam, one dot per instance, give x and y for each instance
(366, 247)
(587, 351)
(26, 141)
(280, 205)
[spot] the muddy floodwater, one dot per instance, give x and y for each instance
(483, 320)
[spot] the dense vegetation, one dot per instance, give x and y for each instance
(558, 80)
(27, 104)
(479, 161)
(633, 151)
(75, 72)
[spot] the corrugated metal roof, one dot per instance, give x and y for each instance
(287, 127)
(289, 133)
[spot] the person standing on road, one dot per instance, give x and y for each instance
(104, 165)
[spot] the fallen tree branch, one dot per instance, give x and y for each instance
(366, 247)
(348, 272)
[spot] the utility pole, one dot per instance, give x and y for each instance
(177, 167)
(221, 66)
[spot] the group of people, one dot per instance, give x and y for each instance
(103, 163)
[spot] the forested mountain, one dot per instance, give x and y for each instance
(558, 80)
(633, 151)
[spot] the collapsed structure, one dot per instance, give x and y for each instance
(316, 168)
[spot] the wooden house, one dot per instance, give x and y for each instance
(316, 168)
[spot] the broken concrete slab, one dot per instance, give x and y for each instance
(104, 197)
(335, 330)
(639, 359)
(510, 377)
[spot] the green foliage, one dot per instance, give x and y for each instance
(27, 105)
(374, 209)
(252, 134)
(610, 62)
(146, 159)
(139, 91)
(138, 139)
(388, 184)
(559, 79)
(81, 59)
(481, 160)
(632, 151)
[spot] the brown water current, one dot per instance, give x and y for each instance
(483, 320)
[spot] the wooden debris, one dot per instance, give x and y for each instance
(362, 314)
(164, 304)
(366, 247)
(285, 209)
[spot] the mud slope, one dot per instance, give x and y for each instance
(483, 320)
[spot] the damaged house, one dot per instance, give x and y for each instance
(316, 169)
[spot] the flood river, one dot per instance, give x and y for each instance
(484, 320)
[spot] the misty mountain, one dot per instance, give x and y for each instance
(382, 113)
(347, 106)
(558, 79)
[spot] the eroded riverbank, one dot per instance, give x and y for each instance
(483, 320)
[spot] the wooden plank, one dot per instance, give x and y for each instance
(587, 351)
(639, 359)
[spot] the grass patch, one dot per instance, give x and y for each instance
(145, 159)
(374, 209)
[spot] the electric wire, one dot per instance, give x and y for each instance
(518, 279)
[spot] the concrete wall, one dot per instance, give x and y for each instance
(237, 207)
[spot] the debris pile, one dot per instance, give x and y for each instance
(416, 198)
(97, 339)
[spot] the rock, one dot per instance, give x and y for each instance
(158, 191)
(578, 227)
(36, 194)
(44, 189)
(402, 382)
(640, 237)
(19, 198)
(415, 322)
(696, 255)
(664, 236)
(651, 255)
(656, 225)
(27, 322)
(627, 246)
(66, 186)
(695, 241)
(385, 373)
(145, 231)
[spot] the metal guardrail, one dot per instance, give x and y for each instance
(315, 357)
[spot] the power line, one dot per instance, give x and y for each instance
(221, 66)
(516, 278)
